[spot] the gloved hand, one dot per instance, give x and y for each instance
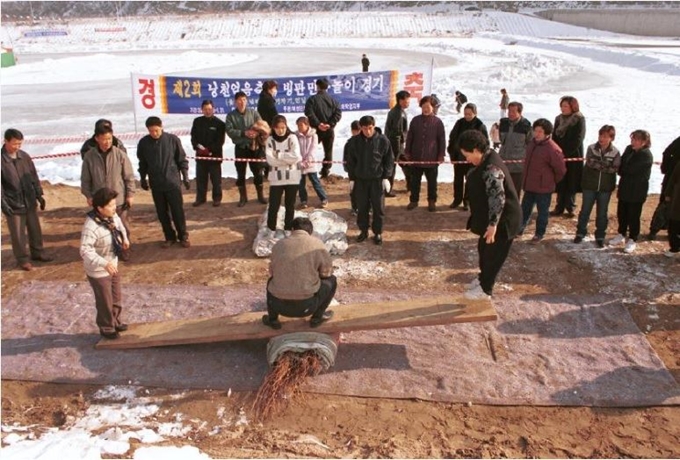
(386, 185)
(6, 210)
(351, 186)
(185, 179)
(144, 184)
(42, 203)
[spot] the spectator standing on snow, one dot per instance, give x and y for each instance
(670, 158)
(103, 239)
(597, 184)
(207, 139)
(635, 169)
(369, 165)
(240, 127)
(108, 166)
(505, 100)
(461, 167)
(425, 144)
(323, 112)
(283, 156)
(396, 128)
(461, 100)
(21, 194)
(672, 196)
(308, 141)
(364, 63)
(543, 169)
(515, 132)
(91, 142)
(570, 130)
(162, 159)
(495, 214)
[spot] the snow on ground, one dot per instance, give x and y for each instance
(63, 84)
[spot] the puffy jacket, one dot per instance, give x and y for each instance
(20, 184)
(543, 166)
(599, 172)
(636, 167)
(309, 142)
(284, 157)
(209, 132)
(459, 128)
(238, 123)
(426, 141)
(369, 157)
(96, 246)
(115, 173)
(515, 136)
(322, 108)
(163, 160)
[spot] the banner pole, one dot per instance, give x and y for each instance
(134, 106)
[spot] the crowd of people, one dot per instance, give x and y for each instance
(499, 176)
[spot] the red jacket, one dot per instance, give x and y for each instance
(544, 166)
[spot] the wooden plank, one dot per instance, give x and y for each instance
(351, 317)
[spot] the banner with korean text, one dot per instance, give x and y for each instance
(170, 94)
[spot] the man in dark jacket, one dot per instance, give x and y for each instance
(207, 139)
(670, 158)
(461, 100)
(495, 213)
(324, 113)
(162, 158)
(92, 142)
(21, 192)
(396, 128)
(364, 63)
(369, 165)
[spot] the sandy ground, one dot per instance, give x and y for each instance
(416, 253)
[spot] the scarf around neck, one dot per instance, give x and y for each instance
(566, 122)
(108, 223)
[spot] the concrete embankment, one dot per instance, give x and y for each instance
(644, 22)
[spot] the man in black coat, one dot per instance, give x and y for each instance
(396, 127)
(324, 113)
(461, 100)
(670, 158)
(495, 213)
(21, 193)
(162, 158)
(207, 139)
(364, 63)
(370, 163)
(91, 143)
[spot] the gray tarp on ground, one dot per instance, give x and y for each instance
(543, 350)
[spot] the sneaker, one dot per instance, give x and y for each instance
(617, 240)
(671, 254)
(578, 239)
(316, 322)
(536, 239)
(600, 243)
(274, 324)
(472, 284)
(630, 246)
(324, 204)
(476, 293)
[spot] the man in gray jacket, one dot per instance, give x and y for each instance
(106, 165)
(515, 132)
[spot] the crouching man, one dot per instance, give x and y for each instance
(301, 282)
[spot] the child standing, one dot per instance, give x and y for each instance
(283, 155)
(635, 169)
(308, 140)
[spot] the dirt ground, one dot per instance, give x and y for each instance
(422, 251)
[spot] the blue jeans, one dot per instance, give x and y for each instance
(542, 202)
(318, 188)
(590, 197)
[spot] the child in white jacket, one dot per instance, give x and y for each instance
(283, 156)
(308, 143)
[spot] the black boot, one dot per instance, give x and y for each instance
(260, 194)
(242, 196)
